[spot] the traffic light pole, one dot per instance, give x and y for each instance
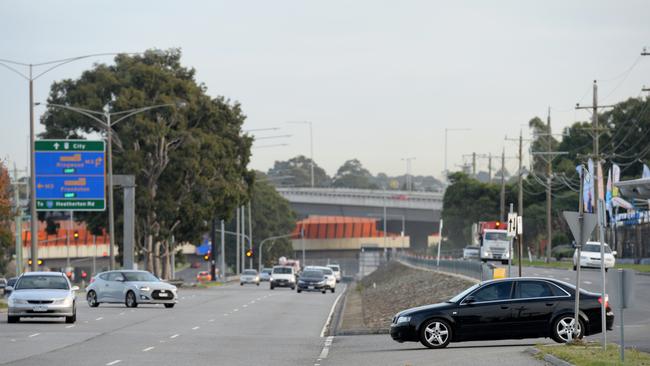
(213, 251)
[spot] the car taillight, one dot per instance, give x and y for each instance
(600, 300)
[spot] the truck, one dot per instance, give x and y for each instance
(493, 241)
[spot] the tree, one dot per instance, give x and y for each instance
(189, 163)
(352, 174)
(5, 217)
(296, 172)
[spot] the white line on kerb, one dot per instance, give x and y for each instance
(34, 335)
(113, 362)
(329, 317)
(174, 336)
(148, 349)
(195, 328)
(326, 348)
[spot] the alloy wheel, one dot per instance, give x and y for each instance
(436, 333)
(567, 329)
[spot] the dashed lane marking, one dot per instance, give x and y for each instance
(34, 335)
(148, 349)
(113, 362)
(211, 320)
(236, 310)
(173, 336)
(100, 318)
(326, 348)
(195, 328)
(245, 306)
(587, 282)
(70, 326)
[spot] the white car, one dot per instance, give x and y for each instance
(337, 271)
(42, 294)
(330, 277)
(283, 276)
(590, 256)
(130, 287)
(249, 276)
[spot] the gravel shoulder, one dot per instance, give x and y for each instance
(372, 302)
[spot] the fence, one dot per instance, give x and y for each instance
(469, 268)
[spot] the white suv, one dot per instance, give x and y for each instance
(283, 276)
(337, 271)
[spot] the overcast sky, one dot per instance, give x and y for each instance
(380, 80)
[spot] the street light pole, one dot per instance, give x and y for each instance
(311, 147)
(259, 257)
(108, 124)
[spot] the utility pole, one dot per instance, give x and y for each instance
(19, 225)
(474, 165)
(409, 178)
(490, 168)
(213, 250)
(223, 251)
(237, 241)
(243, 237)
(520, 200)
(549, 174)
(502, 217)
(250, 234)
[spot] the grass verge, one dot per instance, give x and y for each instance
(569, 265)
(208, 284)
(592, 354)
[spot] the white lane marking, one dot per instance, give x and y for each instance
(326, 348)
(236, 310)
(195, 328)
(122, 313)
(174, 336)
(113, 362)
(148, 349)
(100, 318)
(587, 282)
(211, 320)
(85, 321)
(225, 314)
(252, 302)
(245, 306)
(34, 335)
(329, 317)
(536, 274)
(567, 279)
(70, 326)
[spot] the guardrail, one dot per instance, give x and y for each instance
(469, 268)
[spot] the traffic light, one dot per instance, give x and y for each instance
(206, 257)
(249, 253)
(75, 235)
(497, 225)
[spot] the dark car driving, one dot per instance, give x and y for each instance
(513, 308)
(312, 280)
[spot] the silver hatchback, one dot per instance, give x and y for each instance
(131, 288)
(42, 295)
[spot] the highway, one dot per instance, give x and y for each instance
(229, 325)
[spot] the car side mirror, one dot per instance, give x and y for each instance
(75, 288)
(614, 252)
(469, 300)
(9, 288)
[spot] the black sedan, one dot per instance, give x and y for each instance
(513, 308)
(312, 280)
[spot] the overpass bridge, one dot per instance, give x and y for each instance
(415, 213)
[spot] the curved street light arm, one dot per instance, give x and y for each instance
(14, 70)
(261, 246)
(132, 112)
(85, 112)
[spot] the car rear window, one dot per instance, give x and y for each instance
(282, 270)
(250, 272)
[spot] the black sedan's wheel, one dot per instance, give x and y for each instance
(130, 300)
(565, 329)
(435, 333)
(91, 298)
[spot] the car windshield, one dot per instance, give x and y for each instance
(327, 271)
(266, 270)
(282, 270)
(458, 297)
(313, 274)
(250, 272)
(42, 282)
(595, 248)
(140, 277)
(335, 268)
(496, 236)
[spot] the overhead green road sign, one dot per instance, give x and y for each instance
(70, 175)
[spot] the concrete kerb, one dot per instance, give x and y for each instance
(467, 278)
(547, 357)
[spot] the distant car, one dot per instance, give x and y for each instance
(249, 276)
(11, 282)
(590, 256)
(203, 276)
(40, 295)
(512, 308)
(330, 278)
(283, 276)
(471, 252)
(312, 280)
(337, 271)
(3, 284)
(130, 288)
(265, 275)
(195, 265)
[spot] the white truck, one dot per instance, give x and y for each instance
(494, 241)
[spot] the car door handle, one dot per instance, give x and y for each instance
(504, 307)
(550, 303)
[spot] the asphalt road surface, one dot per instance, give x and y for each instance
(229, 325)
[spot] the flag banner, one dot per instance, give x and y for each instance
(616, 177)
(608, 195)
(589, 187)
(646, 171)
(599, 181)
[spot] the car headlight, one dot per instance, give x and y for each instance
(403, 319)
(301, 282)
(12, 301)
(64, 301)
(145, 288)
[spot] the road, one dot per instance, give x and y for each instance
(229, 325)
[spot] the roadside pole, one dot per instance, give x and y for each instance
(95, 255)
(512, 229)
(223, 252)
(601, 230)
(439, 244)
(237, 251)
